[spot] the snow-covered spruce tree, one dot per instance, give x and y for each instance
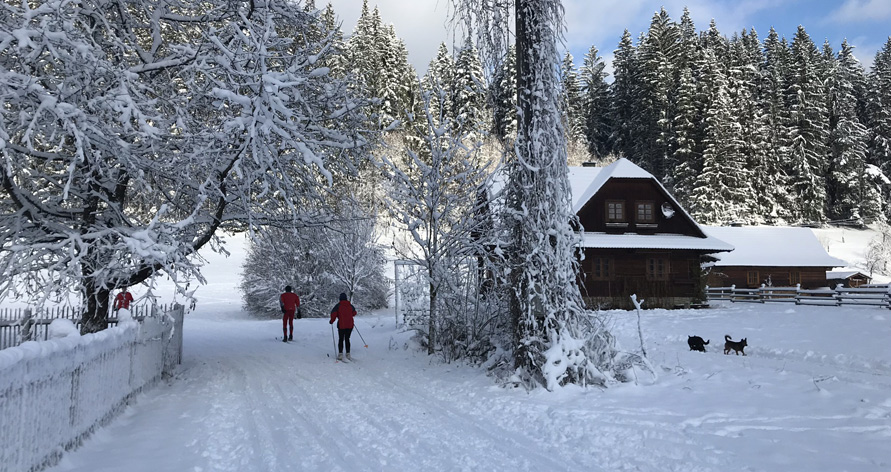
(595, 104)
(688, 139)
(503, 93)
(659, 55)
(720, 192)
(573, 112)
(809, 120)
(879, 111)
(379, 61)
(625, 98)
(440, 75)
(339, 254)
(469, 95)
(434, 197)
(554, 341)
(853, 193)
(771, 179)
(131, 133)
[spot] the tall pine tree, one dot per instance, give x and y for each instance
(595, 107)
(809, 124)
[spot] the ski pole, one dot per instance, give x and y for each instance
(360, 336)
(334, 343)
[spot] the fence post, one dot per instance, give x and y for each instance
(733, 293)
(26, 324)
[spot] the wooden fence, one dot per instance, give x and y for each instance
(867, 295)
(18, 325)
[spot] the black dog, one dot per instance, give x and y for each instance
(696, 343)
(737, 346)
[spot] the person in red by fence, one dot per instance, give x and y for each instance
(343, 312)
(290, 303)
(122, 300)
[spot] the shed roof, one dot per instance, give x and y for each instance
(775, 246)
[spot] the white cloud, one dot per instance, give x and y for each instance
(854, 11)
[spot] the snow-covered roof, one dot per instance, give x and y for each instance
(585, 182)
(772, 246)
(653, 241)
(843, 274)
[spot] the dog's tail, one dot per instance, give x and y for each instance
(706, 342)
(727, 337)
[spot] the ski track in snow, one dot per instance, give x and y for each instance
(243, 401)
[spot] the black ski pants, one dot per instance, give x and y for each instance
(343, 335)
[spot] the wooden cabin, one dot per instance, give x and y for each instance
(637, 240)
(771, 256)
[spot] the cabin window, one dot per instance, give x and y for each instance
(752, 278)
(615, 211)
(794, 277)
(645, 212)
(657, 268)
(601, 268)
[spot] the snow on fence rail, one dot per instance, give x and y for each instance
(874, 295)
(55, 393)
(18, 325)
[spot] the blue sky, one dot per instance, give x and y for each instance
(866, 24)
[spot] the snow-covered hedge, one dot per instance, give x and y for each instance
(55, 393)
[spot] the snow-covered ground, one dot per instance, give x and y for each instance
(813, 393)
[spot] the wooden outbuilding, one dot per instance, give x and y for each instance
(846, 278)
(771, 256)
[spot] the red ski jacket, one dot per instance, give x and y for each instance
(289, 302)
(345, 312)
(122, 300)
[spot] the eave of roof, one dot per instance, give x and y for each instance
(653, 241)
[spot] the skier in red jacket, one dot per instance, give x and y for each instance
(122, 300)
(343, 312)
(289, 302)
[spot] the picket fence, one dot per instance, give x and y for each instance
(55, 393)
(865, 295)
(18, 325)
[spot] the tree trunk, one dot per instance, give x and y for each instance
(95, 315)
(520, 291)
(431, 323)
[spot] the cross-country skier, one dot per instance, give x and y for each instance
(122, 300)
(343, 312)
(289, 302)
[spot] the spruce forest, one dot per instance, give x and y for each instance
(740, 128)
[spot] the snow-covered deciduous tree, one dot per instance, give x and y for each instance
(434, 196)
(340, 254)
(553, 342)
(130, 133)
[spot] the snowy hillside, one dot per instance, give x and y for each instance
(811, 394)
